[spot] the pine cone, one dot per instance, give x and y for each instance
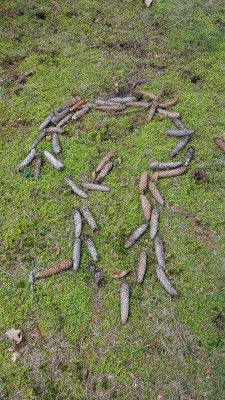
(54, 129)
(177, 122)
(165, 282)
(75, 188)
(180, 132)
(143, 182)
(155, 166)
(77, 115)
(37, 166)
(159, 252)
(190, 155)
(64, 120)
(114, 108)
(169, 114)
(154, 223)
(170, 173)
(124, 302)
(135, 235)
(91, 247)
(55, 163)
(142, 265)
(89, 218)
(69, 104)
(55, 269)
(155, 192)
(76, 106)
(46, 122)
(104, 171)
(76, 253)
(220, 143)
(27, 161)
(180, 146)
(122, 99)
(56, 119)
(152, 110)
(142, 104)
(38, 139)
(95, 187)
(56, 144)
(77, 222)
(105, 160)
(146, 207)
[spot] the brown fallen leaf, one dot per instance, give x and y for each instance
(118, 160)
(56, 5)
(48, 138)
(161, 117)
(154, 177)
(94, 175)
(149, 317)
(18, 336)
(22, 78)
(132, 375)
(121, 274)
(223, 136)
(57, 248)
(14, 356)
(15, 334)
(160, 395)
(148, 2)
(37, 333)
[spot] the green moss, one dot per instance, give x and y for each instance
(83, 49)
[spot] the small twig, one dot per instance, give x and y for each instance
(163, 343)
(179, 334)
(7, 273)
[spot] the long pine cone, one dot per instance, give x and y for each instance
(135, 235)
(141, 267)
(165, 282)
(154, 223)
(143, 182)
(105, 160)
(124, 302)
(146, 207)
(159, 252)
(183, 142)
(155, 193)
(104, 171)
(55, 269)
(170, 173)
(37, 166)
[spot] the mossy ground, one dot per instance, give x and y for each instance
(83, 49)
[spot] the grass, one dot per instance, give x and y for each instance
(83, 49)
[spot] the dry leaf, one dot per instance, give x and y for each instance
(155, 56)
(15, 334)
(154, 177)
(149, 317)
(132, 375)
(148, 2)
(37, 333)
(48, 138)
(57, 248)
(56, 5)
(160, 395)
(15, 355)
(118, 160)
(223, 136)
(121, 274)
